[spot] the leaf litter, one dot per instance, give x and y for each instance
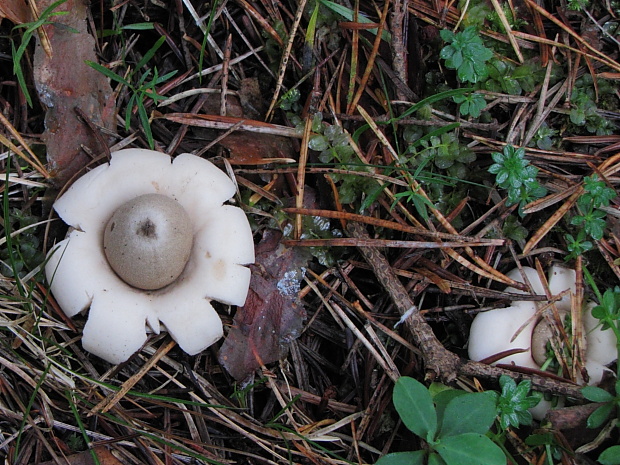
(305, 373)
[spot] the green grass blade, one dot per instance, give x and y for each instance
(108, 73)
(347, 13)
(139, 27)
(26, 414)
(19, 74)
(151, 53)
(80, 425)
(146, 124)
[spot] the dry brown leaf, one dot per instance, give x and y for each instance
(85, 458)
(273, 314)
(15, 11)
(64, 81)
(246, 148)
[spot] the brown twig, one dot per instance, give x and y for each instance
(440, 362)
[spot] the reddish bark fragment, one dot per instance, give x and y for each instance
(273, 314)
(64, 81)
(15, 11)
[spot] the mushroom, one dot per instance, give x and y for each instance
(148, 241)
(503, 329)
(151, 243)
(516, 327)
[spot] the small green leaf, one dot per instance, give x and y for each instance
(403, 458)
(470, 449)
(108, 73)
(435, 459)
(600, 415)
(139, 27)
(469, 413)
(610, 456)
(349, 15)
(442, 400)
(151, 52)
(318, 143)
(415, 407)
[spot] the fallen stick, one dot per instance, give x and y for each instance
(440, 363)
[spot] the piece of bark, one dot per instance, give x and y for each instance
(64, 81)
(273, 315)
(15, 11)
(572, 422)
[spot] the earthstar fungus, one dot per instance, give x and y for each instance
(518, 327)
(151, 242)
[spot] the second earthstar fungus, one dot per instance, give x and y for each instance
(130, 220)
(522, 331)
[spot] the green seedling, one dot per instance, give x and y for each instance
(515, 174)
(608, 313)
(145, 88)
(506, 78)
(514, 402)
(596, 195)
(466, 54)
(470, 104)
(545, 137)
(335, 149)
(444, 150)
(419, 202)
(547, 440)
(610, 404)
(584, 112)
(577, 5)
(577, 245)
(452, 429)
(513, 229)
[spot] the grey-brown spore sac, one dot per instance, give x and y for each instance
(148, 241)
